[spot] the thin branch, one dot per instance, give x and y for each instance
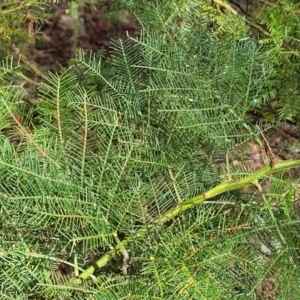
(33, 67)
(233, 11)
(24, 132)
(193, 202)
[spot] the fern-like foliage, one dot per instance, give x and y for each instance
(282, 46)
(100, 166)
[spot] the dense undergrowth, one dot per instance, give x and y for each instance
(116, 181)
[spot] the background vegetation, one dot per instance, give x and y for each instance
(120, 173)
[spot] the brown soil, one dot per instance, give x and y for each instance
(96, 26)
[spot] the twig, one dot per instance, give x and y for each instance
(125, 255)
(259, 28)
(268, 149)
(35, 70)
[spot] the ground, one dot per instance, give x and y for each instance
(96, 27)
